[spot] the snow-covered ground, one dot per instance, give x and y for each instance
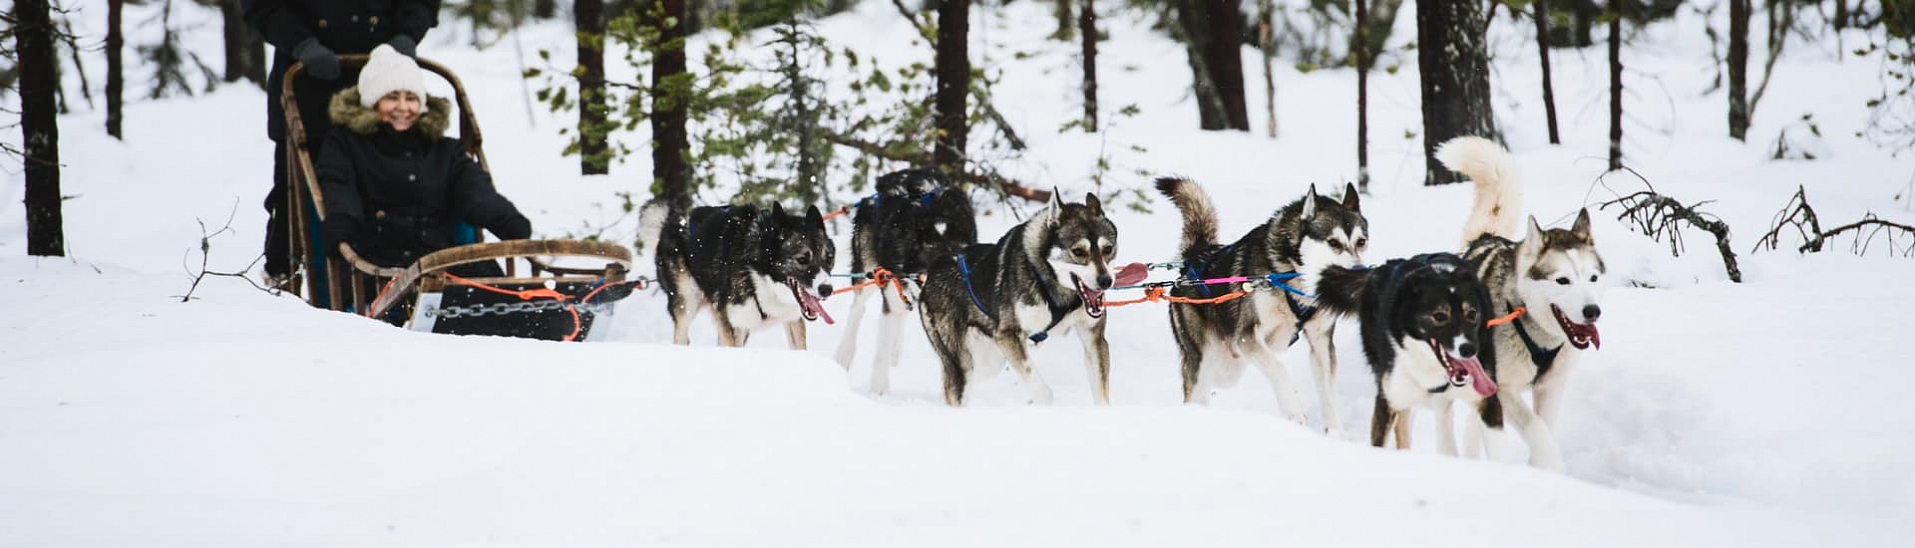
(1725, 414)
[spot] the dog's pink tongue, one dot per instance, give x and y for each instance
(1479, 379)
(1132, 274)
(810, 303)
(1595, 338)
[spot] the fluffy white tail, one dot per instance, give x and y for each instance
(1498, 194)
(651, 223)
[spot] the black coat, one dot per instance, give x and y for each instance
(346, 27)
(397, 196)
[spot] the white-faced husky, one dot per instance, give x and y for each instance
(1257, 327)
(1553, 275)
(916, 218)
(1043, 278)
(1424, 335)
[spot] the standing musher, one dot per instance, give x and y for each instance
(317, 32)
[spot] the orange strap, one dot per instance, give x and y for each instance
(1156, 294)
(839, 213)
(1518, 313)
(878, 277)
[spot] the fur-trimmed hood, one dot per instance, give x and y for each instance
(346, 112)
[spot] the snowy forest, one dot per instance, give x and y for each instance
(302, 272)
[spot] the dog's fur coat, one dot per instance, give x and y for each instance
(750, 266)
(916, 218)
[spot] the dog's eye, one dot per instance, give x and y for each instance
(1336, 245)
(1080, 252)
(1439, 317)
(1469, 315)
(1562, 280)
(1592, 278)
(1108, 250)
(1361, 242)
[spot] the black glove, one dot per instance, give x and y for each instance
(516, 228)
(320, 61)
(405, 44)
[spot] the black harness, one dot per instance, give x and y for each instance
(1543, 358)
(1199, 270)
(1058, 311)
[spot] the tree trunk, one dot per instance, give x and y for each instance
(1739, 69)
(1362, 52)
(1087, 25)
(115, 68)
(1455, 74)
(1549, 88)
(39, 126)
(1226, 60)
(547, 9)
(1583, 15)
(953, 84)
(589, 18)
(1208, 29)
(245, 48)
(1841, 16)
(1064, 21)
(1615, 91)
(1265, 30)
(671, 170)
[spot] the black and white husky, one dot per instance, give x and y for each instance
(915, 218)
(1044, 278)
(1554, 275)
(1256, 327)
(1424, 334)
(752, 267)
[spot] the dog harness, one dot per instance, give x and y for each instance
(1537, 354)
(1057, 312)
(1198, 270)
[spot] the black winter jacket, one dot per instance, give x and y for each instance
(344, 26)
(398, 196)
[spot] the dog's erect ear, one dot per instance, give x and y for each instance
(1581, 229)
(1349, 197)
(1310, 203)
(1532, 241)
(778, 211)
(1057, 198)
(1096, 206)
(813, 216)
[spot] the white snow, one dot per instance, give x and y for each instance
(1766, 413)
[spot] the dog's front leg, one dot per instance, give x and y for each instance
(1279, 378)
(848, 347)
(795, 334)
(1542, 443)
(1547, 396)
(890, 341)
(1012, 344)
(1402, 428)
(1323, 368)
(728, 335)
(1445, 426)
(1381, 419)
(1097, 361)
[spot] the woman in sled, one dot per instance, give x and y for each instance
(394, 185)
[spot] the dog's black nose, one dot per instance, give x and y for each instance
(1591, 312)
(1468, 350)
(824, 289)
(1104, 281)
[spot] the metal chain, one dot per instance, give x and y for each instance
(499, 309)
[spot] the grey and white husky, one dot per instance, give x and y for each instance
(1043, 278)
(915, 218)
(751, 266)
(1554, 275)
(1311, 228)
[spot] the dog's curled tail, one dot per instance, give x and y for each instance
(1335, 289)
(652, 219)
(1200, 217)
(1498, 196)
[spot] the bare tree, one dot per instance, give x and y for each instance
(953, 67)
(115, 68)
(1615, 89)
(1363, 62)
(1064, 21)
(1739, 69)
(1265, 34)
(34, 34)
(1455, 70)
(589, 17)
(1209, 30)
(547, 9)
(1541, 15)
(245, 48)
(1087, 23)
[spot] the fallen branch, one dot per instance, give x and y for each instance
(1797, 214)
(1657, 216)
(205, 249)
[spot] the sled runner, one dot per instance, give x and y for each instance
(543, 300)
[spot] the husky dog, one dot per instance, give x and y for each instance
(1313, 227)
(750, 266)
(915, 218)
(994, 301)
(1554, 275)
(1423, 321)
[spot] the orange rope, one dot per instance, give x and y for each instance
(878, 277)
(839, 213)
(1156, 294)
(1518, 313)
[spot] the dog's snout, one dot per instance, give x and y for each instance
(1467, 350)
(1591, 312)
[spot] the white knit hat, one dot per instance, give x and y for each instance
(389, 71)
